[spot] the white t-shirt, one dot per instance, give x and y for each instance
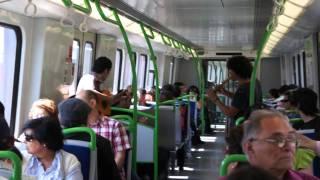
(87, 83)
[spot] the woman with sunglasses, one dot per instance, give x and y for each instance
(45, 158)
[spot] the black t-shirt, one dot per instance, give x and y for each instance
(240, 99)
(313, 124)
(107, 168)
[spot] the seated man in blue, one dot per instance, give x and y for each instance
(74, 113)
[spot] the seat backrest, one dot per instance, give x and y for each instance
(14, 174)
(85, 151)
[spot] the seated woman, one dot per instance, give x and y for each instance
(45, 158)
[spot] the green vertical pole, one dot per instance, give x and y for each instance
(155, 131)
(134, 86)
(265, 38)
(202, 89)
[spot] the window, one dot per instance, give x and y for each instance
(127, 73)
(10, 57)
(299, 70)
(171, 76)
(87, 58)
(75, 60)
(294, 70)
(142, 71)
(151, 78)
(304, 69)
(117, 71)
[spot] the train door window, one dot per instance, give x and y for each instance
(10, 54)
(75, 60)
(304, 69)
(127, 73)
(171, 76)
(87, 57)
(299, 70)
(117, 71)
(210, 69)
(294, 70)
(142, 70)
(151, 80)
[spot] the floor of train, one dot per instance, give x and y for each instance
(205, 159)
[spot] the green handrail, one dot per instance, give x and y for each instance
(156, 114)
(202, 89)
(133, 130)
(240, 120)
(173, 101)
(93, 138)
(87, 9)
(295, 120)
(230, 159)
(131, 112)
(133, 68)
(16, 175)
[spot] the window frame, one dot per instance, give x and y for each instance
(16, 73)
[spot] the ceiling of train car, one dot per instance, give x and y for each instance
(212, 24)
(306, 25)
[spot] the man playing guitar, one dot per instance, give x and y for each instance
(94, 81)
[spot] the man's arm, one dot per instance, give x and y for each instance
(119, 158)
(229, 111)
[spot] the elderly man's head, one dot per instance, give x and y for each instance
(269, 141)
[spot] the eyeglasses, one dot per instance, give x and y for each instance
(29, 137)
(280, 141)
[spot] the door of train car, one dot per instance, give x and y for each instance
(83, 52)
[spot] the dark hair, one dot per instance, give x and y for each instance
(47, 131)
(306, 101)
(194, 89)
(101, 64)
(274, 93)
(241, 66)
(1, 110)
(250, 172)
(283, 89)
(73, 113)
(234, 139)
(167, 92)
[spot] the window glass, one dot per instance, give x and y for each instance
(141, 70)
(87, 58)
(117, 71)
(10, 51)
(75, 60)
(171, 76)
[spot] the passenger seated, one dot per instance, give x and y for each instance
(45, 158)
(233, 146)
(75, 113)
(269, 142)
(40, 108)
(142, 97)
(108, 128)
(249, 172)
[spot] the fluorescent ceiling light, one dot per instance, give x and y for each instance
(277, 34)
(292, 10)
(282, 29)
(271, 43)
(285, 20)
(178, 177)
(274, 38)
(302, 3)
(266, 51)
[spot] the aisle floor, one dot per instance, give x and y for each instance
(205, 159)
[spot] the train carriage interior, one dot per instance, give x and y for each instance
(171, 69)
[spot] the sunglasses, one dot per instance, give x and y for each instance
(29, 137)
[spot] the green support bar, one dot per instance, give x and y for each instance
(93, 138)
(230, 159)
(133, 70)
(202, 89)
(156, 114)
(240, 120)
(87, 9)
(16, 174)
